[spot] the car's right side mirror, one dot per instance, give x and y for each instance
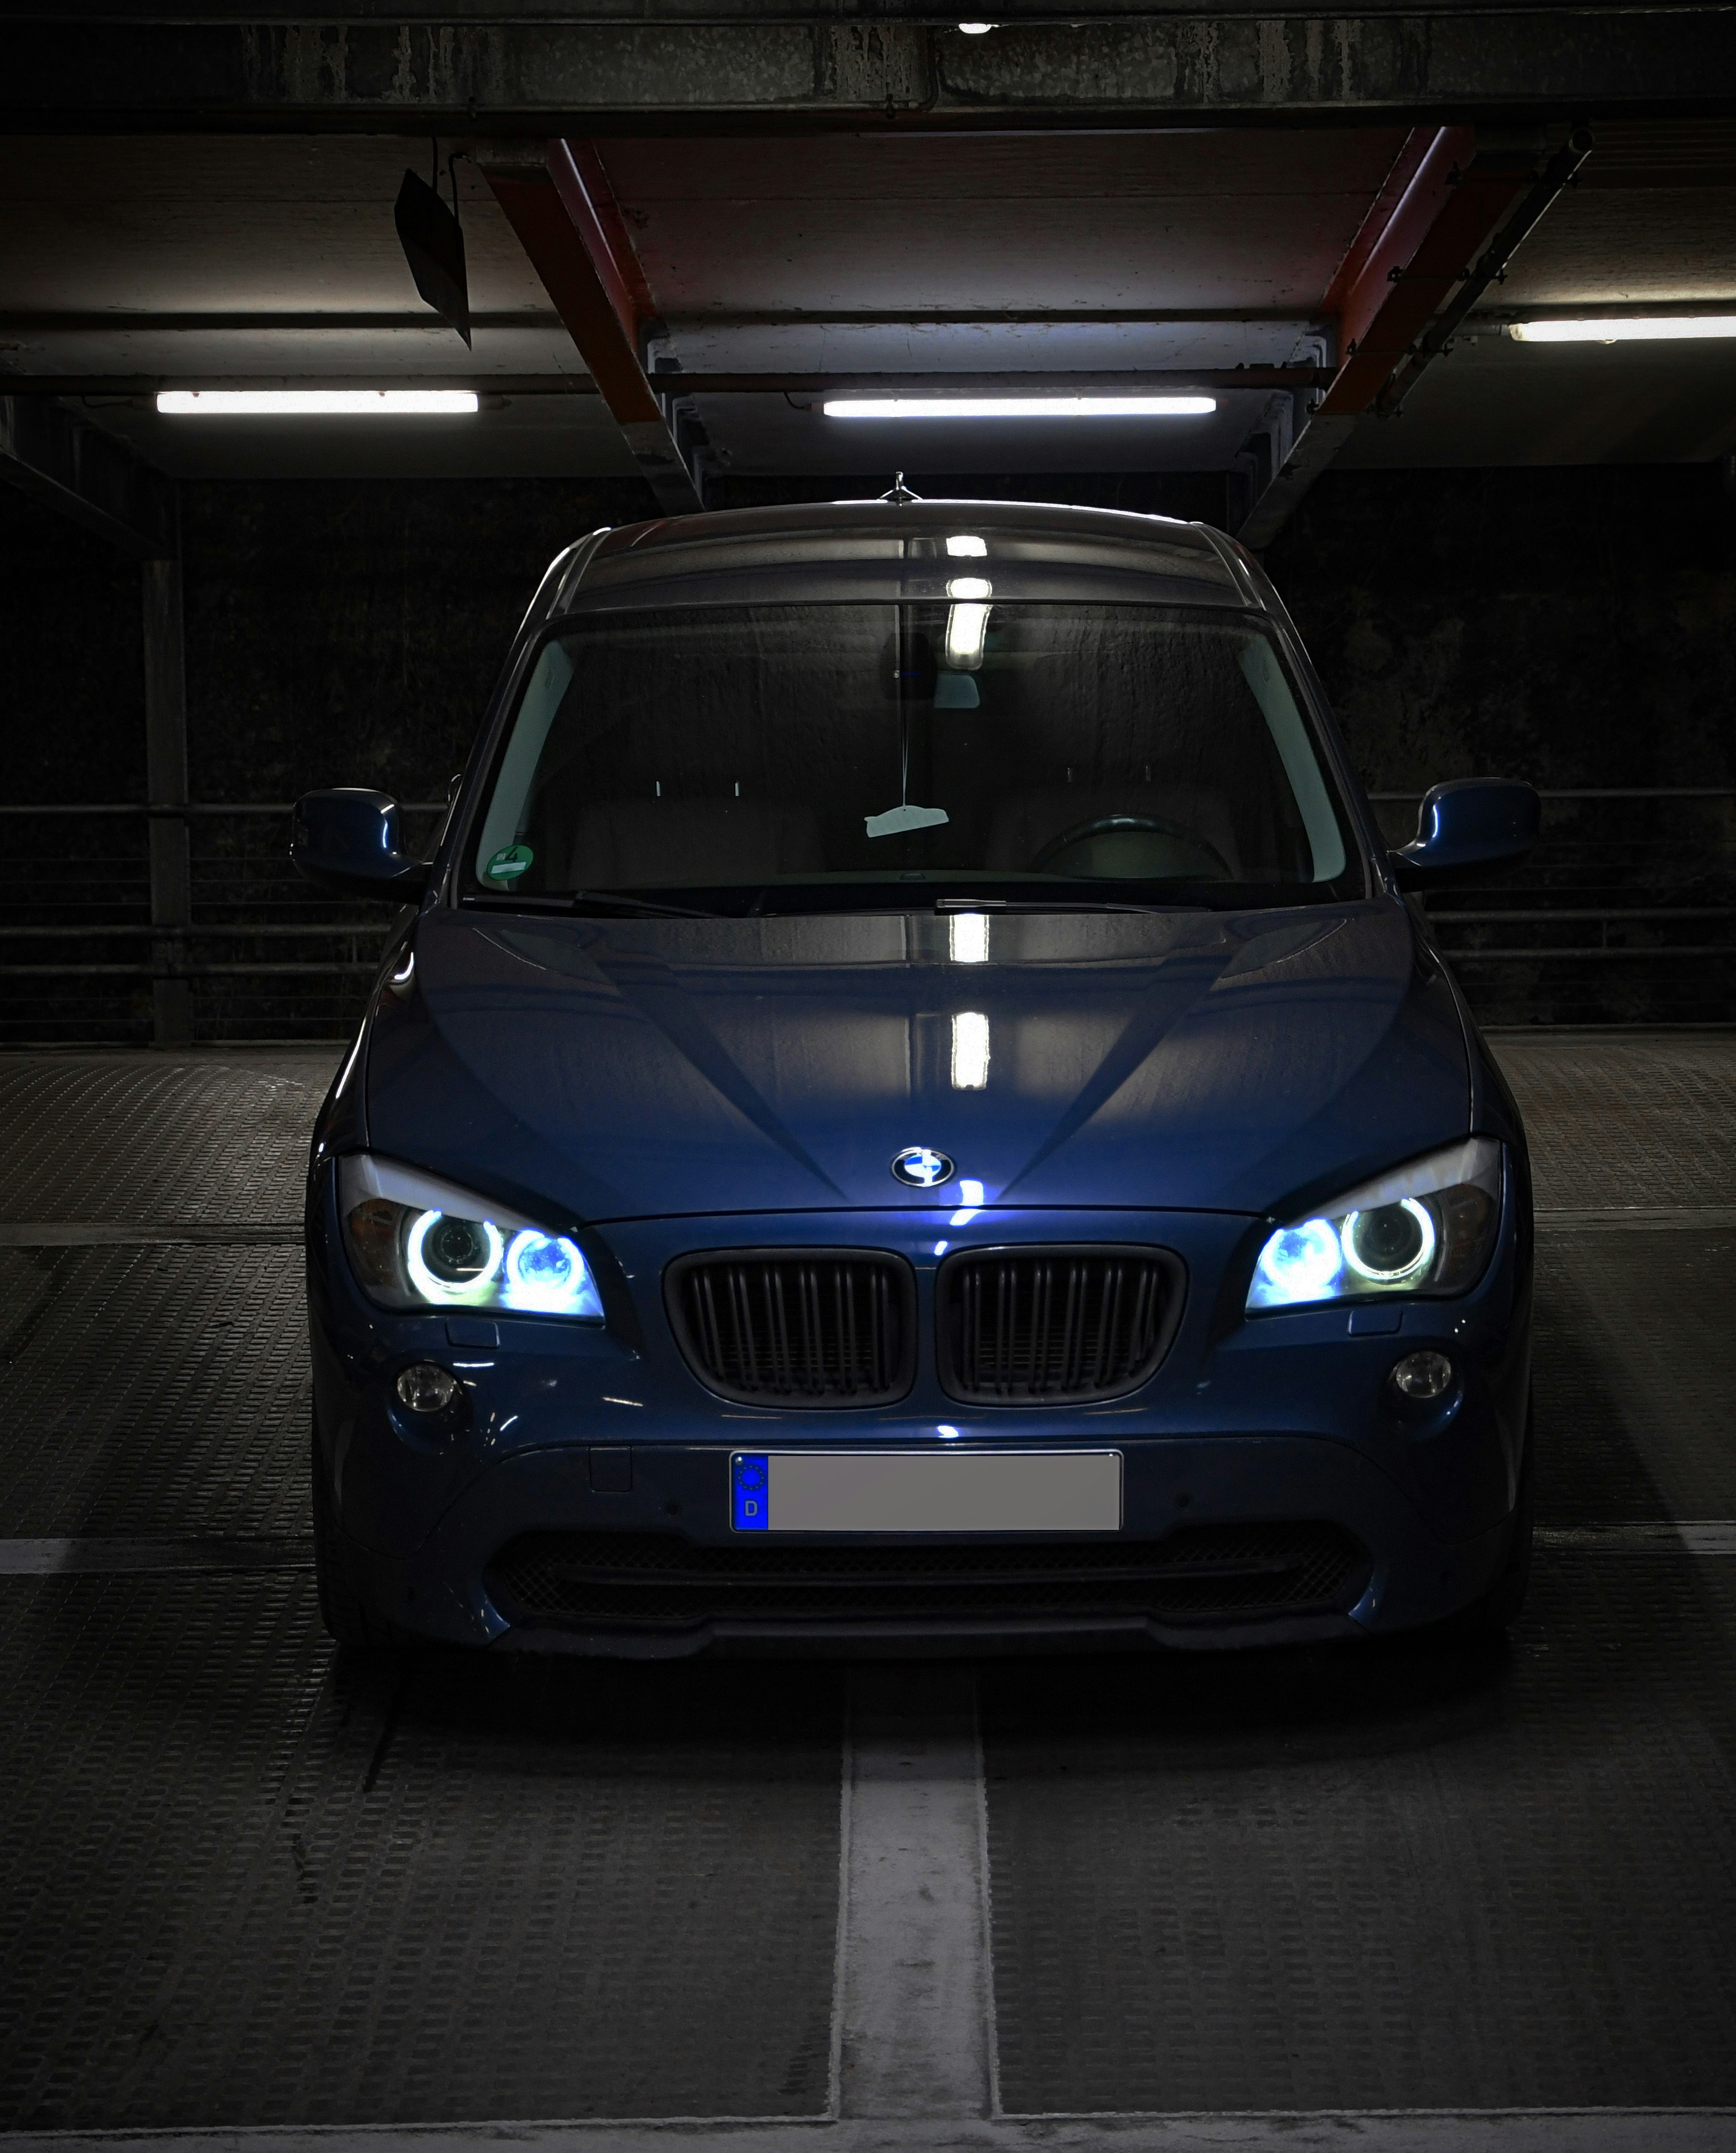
(346, 841)
(1463, 828)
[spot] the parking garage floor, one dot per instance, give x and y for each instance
(1416, 1895)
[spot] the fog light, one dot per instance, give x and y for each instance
(1417, 1376)
(426, 1389)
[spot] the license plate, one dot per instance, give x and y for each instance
(925, 1491)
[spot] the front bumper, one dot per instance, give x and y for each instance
(458, 1584)
(1287, 1421)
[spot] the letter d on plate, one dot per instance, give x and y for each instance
(748, 1478)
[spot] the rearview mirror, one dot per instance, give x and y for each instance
(346, 841)
(1466, 826)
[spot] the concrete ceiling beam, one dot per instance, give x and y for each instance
(566, 78)
(1075, 381)
(309, 320)
(1080, 381)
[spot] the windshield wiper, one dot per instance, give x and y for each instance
(999, 904)
(575, 900)
(618, 900)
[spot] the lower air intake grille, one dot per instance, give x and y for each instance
(653, 1580)
(783, 1326)
(1030, 1327)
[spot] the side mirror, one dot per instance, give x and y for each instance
(1464, 827)
(346, 841)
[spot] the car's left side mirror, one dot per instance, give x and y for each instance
(346, 841)
(1463, 828)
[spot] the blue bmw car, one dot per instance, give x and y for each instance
(912, 1109)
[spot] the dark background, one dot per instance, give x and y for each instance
(1573, 627)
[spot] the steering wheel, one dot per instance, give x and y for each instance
(1103, 825)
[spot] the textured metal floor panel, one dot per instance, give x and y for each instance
(1615, 1120)
(153, 1390)
(239, 1886)
(1635, 1375)
(149, 1136)
(1379, 1878)
(242, 1881)
(1414, 1877)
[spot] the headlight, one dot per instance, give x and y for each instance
(1426, 1228)
(417, 1243)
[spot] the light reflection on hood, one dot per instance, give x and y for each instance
(1197, 1060)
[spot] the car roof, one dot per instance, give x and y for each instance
(822, 552)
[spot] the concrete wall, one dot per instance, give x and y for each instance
(351, 635)
(1575, 627)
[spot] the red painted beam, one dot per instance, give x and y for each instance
(1442, 199)
(580, 171)
(1377, 217)
(556, 227)
(572, 233)
(1455, 199)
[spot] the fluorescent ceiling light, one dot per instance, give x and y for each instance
(1631, 328)
(315, 403)
(963, 548)
(1018, 407)
(976, 29)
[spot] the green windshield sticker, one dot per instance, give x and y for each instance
(509, 862)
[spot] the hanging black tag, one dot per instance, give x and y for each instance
(433, 246)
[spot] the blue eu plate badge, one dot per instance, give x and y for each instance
(748, 1479)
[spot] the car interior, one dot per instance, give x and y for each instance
(756, 750)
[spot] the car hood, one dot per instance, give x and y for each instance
(639, 1067)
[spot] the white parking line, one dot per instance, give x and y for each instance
(90, 1553)
(912, 2010)
(914, 2064)
(1708, 1537)
(197, 1234)
(1655, 1217)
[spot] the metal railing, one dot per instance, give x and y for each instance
(1626, 913)
(264, 955)
(240, 882)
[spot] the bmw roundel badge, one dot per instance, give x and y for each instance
(918, 1168)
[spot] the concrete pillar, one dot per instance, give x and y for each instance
(166, 739)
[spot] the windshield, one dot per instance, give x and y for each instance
(782, 757)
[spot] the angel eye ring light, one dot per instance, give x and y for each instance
(428, 1283)
(1413, 1264)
